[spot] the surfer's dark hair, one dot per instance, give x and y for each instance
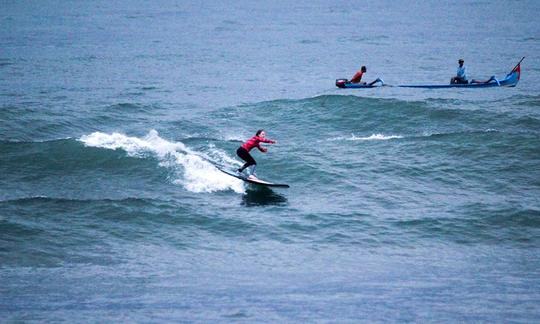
(259, 132)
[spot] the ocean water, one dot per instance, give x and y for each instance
(405, 205)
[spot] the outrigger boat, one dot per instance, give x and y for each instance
(511, 80)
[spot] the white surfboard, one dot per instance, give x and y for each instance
(254, 180)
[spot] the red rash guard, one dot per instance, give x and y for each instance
(357, 77)
(254, 142)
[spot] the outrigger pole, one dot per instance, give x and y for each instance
(515, 67)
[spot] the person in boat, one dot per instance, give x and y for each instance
(461, 75)
(357, 77)
(243, 151)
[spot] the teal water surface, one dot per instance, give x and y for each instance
(405, 205)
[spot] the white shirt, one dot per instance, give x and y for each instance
(462, 72)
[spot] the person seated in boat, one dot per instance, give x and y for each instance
(357, 77)
(461, 75)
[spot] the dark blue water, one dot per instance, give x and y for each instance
(405, 205)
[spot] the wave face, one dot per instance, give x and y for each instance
(427, 172)
(405, 205)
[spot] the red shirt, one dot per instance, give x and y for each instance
(254, 142)
(357, 77)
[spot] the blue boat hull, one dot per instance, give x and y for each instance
(511, 80)
(345, 84)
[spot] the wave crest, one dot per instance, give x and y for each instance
(190, 169)
(372, 137)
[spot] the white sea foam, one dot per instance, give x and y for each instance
(236, 137)
(190, 168)
(373, 137)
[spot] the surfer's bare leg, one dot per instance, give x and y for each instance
(251, 170)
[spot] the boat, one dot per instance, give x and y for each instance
(346, 84)
(511, 80)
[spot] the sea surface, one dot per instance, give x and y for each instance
(405, 205)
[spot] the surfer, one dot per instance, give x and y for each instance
(461, 74)
(243, 151)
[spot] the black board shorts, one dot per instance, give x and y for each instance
(244, 155)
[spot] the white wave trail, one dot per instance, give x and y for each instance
(374, 137)
(191, 170)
